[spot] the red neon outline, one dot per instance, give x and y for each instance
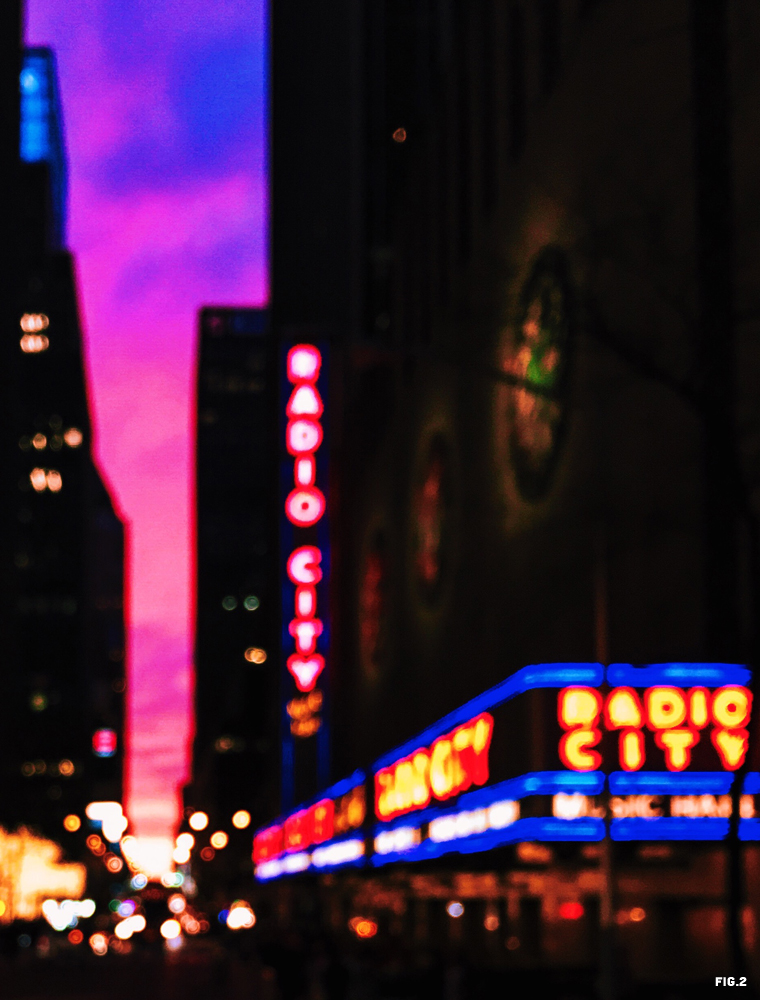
(305, 394)
(563, 694)
(296, 625)
(328, 823)
(316, 357)
(689, 699)
(268, 843)
(305, 495)
(666, 750)
(305, 462)
(294, 448)
(593, 736)
(642, 752)
(306, 671)
(297, 834)
(738, 723)
(743, 733)
(677, 692)
(305, 561)
(609, 724)
(303, 592)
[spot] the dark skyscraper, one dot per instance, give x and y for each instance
(63, 648)
(234, 756)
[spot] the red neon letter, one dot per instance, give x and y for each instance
(303, 436)
(304, 362)
(305, 471)
(304, 401)
(305, 633)
(306, 670)
(306, 602)
(303, 565)
(305, 506)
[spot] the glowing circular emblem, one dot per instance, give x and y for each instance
(536, 367)
(305, 506)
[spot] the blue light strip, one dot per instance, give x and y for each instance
(545, 829)
(670, 782)
(679, 674)
(681, 828)
(542, 675)
(535, 783)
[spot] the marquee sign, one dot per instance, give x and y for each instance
(565, 752)
(323, 835)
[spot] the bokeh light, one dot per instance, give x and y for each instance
(241, 819)
(72, 823)
(170, 929)
(219, 840)
(198, 821)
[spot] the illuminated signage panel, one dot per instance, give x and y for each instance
(322, 835)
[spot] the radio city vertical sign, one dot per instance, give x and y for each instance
(306, 555)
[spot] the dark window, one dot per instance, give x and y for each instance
(516, 71)
(488, 129)
(549, 15)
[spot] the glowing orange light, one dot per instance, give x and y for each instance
(665, 707)
(322, 821)
(305, 506)
(677, 744)
(76, 936)
(39, 441)
(170, 929)
(38, 479)
(34, 322)
(399, 135)
(304, 401)
(571, 911)
(306, 670)
(114, 864)
(698, 712)
(731, 707)
(304, 362)
(186, 841)
(99, 943)
(255, 655)
(208, 853)
(303, 565)
(241, 819)
(623, 709)
(632, 754)
(219, 840)
(303, 436)
(54, 481)
(96, 844)
(579, 706)
(637, 914)
(305, 632)
(72, 823)
(491, 922)
(731, 746)
(362, 927)
(32, 343)
(73, 437)
(198, 821)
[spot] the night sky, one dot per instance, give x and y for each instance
(164, 113)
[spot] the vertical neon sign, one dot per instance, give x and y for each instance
(306, 552)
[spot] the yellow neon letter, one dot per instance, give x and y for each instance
(731, 707)
(677, 744)
(579, 706)
(623, 709)
(666, 707)
(698, 707)
(631, 749)
(731, 747)
(574, 752)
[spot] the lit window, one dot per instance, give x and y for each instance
(34, 343)
(38, 480)
(54, 481)
(34, 322)
(73, 437)
(255, 655)
(39, 441)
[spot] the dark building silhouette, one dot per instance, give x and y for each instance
(63, 683)
(528, 229)
(237, 524)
